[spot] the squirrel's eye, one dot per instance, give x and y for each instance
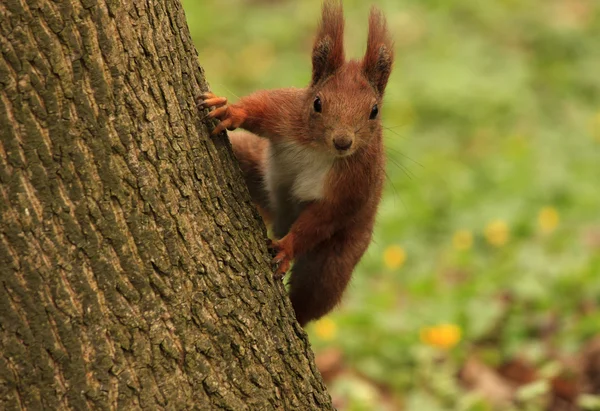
(317, 105)
(374, 112)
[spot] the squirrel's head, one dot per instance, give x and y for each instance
(344, 98)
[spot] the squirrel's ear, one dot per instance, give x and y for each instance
(328, 50)
(378, 60)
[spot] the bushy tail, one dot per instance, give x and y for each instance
(320, 276)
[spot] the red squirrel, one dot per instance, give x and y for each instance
(313, 160)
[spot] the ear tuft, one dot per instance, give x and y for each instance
(379, 57)
(328, 50)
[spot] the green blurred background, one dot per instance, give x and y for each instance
(481, 288)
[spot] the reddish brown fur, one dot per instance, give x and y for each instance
(377, 63)
(329, 235)
(328, 49)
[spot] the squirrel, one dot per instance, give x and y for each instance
(313, 160)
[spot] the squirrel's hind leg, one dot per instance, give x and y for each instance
(251, 151)
(320, 276)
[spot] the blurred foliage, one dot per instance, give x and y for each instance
(490, 222)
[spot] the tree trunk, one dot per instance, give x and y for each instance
(134, 271)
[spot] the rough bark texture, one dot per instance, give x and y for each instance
(133, 268)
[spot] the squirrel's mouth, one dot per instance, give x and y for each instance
(345, 153)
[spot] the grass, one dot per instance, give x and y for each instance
(491, 216)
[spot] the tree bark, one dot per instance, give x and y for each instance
(133, 268)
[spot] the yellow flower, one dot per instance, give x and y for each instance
(548, 219)
(394, 257)
(441, 336)
(325, 329)
(497, 233)
(462, 240)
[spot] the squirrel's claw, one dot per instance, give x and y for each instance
(219, 113)
(282, 260)
(231, 118)
(222, 126)
(207, 100)
(281, 265)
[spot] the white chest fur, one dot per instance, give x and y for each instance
(299, 169)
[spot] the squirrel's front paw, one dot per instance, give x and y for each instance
(230, 117)
(282, 260)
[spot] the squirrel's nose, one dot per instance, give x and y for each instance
(342, 143)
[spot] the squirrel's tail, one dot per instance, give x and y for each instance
(320, 276)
